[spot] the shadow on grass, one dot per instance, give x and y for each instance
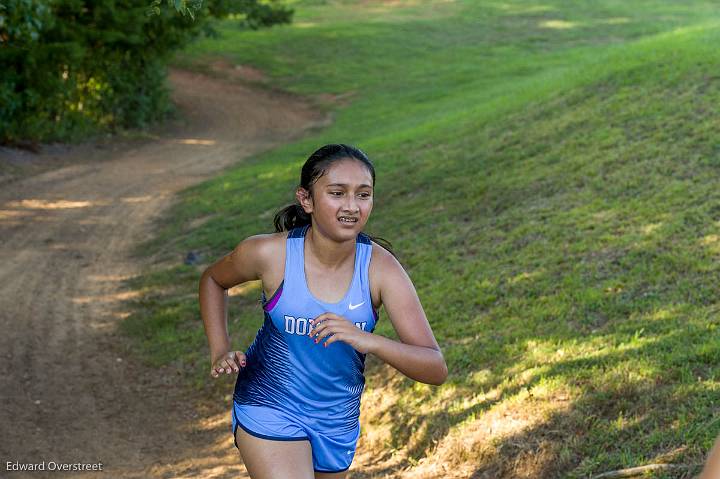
(637, 403)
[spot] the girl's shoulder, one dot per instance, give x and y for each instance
(255, 257)
(267, 246)
(381, 259)
(250, 260)
(270, 238)
(382, 265)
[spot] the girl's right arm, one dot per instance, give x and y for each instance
(244, 263)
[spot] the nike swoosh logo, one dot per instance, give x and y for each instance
(353, 306)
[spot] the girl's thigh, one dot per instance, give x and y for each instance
(266, 459)
(331, 475)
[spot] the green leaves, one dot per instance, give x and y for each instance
(184, 7)
(22, 20)
(154, 8)
(76, 67)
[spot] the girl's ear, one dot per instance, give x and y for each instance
(304, 198)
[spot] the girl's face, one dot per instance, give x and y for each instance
(341, 200)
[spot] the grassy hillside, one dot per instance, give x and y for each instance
(548, 175)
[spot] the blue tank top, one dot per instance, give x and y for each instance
(286, 369)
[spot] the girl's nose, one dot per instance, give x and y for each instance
(351, 206)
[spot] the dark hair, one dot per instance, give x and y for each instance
(316, 165)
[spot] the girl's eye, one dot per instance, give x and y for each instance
(340, 193)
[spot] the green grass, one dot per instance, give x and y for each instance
(547, 173)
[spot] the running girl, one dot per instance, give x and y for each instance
(296, 404)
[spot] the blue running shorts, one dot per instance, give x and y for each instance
(330, 452)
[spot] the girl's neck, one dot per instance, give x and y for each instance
(328, 253)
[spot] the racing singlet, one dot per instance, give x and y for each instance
(286, 369)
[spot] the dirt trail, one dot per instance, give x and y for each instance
(66, 393)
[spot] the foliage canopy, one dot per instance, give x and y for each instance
(74, 67)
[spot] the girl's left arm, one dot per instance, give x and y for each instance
(417, 354)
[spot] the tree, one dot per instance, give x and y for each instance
(74, 67)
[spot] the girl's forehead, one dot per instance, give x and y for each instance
(349, 172)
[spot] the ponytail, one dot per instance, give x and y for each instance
(291, 217)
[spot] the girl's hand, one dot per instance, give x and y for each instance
(227, 363)
(337, 328)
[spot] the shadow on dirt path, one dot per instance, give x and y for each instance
(68, 394)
